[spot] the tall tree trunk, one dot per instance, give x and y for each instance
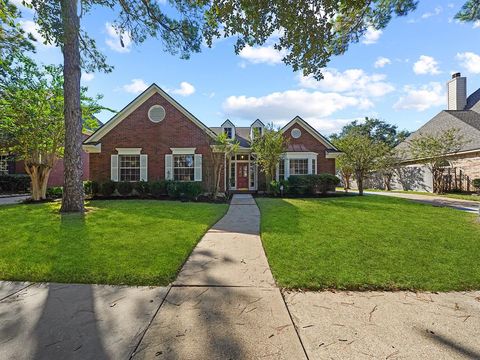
(359, 176)
(73, 194)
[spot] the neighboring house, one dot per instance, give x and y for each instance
(463, 114)
(10, 165)
(156, 138)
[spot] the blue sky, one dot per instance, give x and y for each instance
(398, 75)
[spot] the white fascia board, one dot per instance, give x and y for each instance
(92, 149)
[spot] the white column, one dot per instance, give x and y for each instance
(287, 168)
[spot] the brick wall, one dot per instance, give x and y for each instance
(155, 139)
(324, 165)
(469, 164)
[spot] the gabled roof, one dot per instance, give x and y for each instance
(466, 121)
(298, 120)
(242, 134)
(134, 104)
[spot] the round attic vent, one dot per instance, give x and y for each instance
(296, 133)
(156, 113)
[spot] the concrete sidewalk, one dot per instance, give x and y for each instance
(224, 303)
(458, 204)
(71, 321)
(14, 199)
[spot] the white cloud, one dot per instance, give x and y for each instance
(87, 77)
(353, 82)
(114, 39)
(476, 24)
(470, 61)
(283, 106)
(262, 54)
(185, 89)
(437, 11)
(136, 86)
(381, 62)
(426, 65)
(31, 27)
(421, 98)
(371, 36)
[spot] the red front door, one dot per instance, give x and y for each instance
(242, 175)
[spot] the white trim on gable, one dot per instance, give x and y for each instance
(92, 149)
(298, 120)
(139, 100)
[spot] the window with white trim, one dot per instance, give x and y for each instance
(314, 166)
(129, 167)
(298, 166)
(281, 169)
(183, 167)
(3, 165)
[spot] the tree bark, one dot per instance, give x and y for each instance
(73, 194)
(39, 175)
(359, 176)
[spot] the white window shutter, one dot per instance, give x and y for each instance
(198, 167)
(143, 167)
(114, 168)
(168, 167)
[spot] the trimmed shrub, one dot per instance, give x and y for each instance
(312, 184)
(184, 190)
(142, 188)
(158, 188)
(91, 187)
(276, 187)
(55, 192)
(107, 188)
(476, 184)
(124, 188)
(14, 183)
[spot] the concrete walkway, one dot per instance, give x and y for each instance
(71, 321)
(224, 303)
(14, 199)
(459, 204)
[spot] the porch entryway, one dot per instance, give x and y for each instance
(243, 173)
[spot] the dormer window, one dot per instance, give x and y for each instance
(256, 129)
(228, 131)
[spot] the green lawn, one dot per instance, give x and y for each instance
(370, 242)
(117, 242)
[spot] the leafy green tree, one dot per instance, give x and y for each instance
(360, 153)
(59, 24)
(433, 151)
(470, 11)
(31, 121)
(309, 32)
(223, 148)
(268, 148)
(345, 170)
(13, 39)
(376, 129)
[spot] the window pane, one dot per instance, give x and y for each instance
(129, 169)
(314, 166)
(281, 170)
(299, 167)
(183, 167)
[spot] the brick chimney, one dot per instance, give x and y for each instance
(457, 92)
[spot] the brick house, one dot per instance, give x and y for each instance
(10, 165)
(462, 113)
(156, 138)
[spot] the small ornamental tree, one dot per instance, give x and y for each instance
(360, 153)
(268, 149)
(31, 121)
(345, 170)
(222, 149)
(432, 150)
